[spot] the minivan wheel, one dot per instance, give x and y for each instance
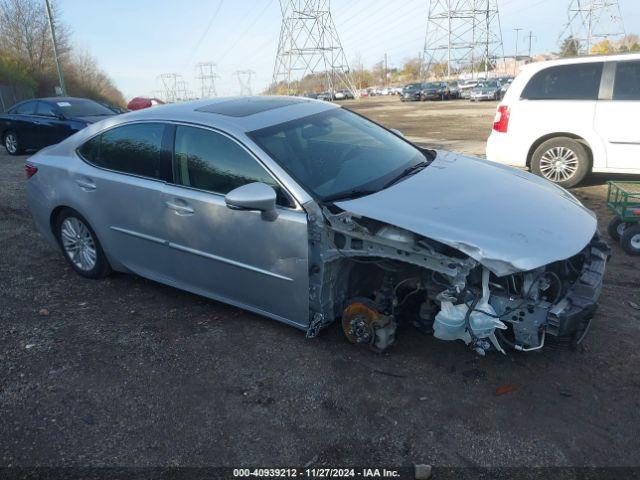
(562, 161)
(80, 245)
(630, 240)
(12, 144)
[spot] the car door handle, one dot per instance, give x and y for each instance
(180, 207)
(86, 185)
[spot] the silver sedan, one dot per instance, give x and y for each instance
(305, 212)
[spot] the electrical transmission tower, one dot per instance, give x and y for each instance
(169, 86)
(309, 46)
(207, 77)
(244, 79)
(462, 36)
(591, 21)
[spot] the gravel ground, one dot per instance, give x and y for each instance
(128, 372)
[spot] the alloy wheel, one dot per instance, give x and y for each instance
(559, 164)
(11, 142)
(78, 244)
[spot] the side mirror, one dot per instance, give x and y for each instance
(256, 197)
(60, 116)
(397, 132)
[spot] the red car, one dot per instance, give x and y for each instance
(138, 103)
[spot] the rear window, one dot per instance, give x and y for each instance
(80, 107)
(27, 108)
(627, 85)
(135, 149)
(580, 81)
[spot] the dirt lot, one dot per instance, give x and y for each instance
(132, 373)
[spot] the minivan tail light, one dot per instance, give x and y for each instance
(501, 121)
(30, 170)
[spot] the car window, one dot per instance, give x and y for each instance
(82, 107)
(211, 161)
(134, 149)
(334, 153)
(27, 108)
(627, 84)
(580, 81)
(45, 109)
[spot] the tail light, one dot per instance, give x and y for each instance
(501, 121)
(30, 170)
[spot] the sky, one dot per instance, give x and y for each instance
(134, 41)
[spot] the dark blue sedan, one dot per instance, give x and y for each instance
(35, 124)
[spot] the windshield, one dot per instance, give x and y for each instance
(338, 154)
(412, 86)
(489, 85)
(433, 85)
(82, 108)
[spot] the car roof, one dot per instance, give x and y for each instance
(237, 113)
(534, 67)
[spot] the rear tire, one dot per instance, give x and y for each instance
(12, 143)
(80, 245)
(616, 228)
(630, 240)
(561, 160)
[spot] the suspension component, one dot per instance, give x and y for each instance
(363, 324)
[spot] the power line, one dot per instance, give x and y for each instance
(246, 30)
(203, 36)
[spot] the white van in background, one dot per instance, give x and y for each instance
(566, 118)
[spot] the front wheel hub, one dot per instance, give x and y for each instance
(363, 324)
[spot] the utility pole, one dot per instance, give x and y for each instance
(515, 60)
(63, 89)
(531, 37)
(385, 69)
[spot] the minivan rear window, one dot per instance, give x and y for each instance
(580, 81)
(627, 86)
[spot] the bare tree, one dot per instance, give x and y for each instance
(24, 33)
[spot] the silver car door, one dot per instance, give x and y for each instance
(121, 192)
(230, 255)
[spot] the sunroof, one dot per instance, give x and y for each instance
(243, 107)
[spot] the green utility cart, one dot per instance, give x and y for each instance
(623, 198)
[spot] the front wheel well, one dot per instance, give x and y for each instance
(572, 136)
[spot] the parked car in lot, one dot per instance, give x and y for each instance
(454, 89)
(566, 118)
(434, 91)
(327, 96)
(486, 90)
(305, 212)
(35, 124)
(411, 92)
(504, 86)
(344, 95)
(138, 103)
(466, 86)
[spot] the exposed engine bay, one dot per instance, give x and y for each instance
(376, 277)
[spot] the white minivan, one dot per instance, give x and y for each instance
(566, 118)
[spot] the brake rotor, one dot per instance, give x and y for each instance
(358, 322)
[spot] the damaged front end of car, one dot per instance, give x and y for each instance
(375, 276)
